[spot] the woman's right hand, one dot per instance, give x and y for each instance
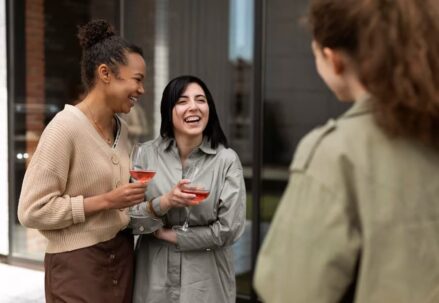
(126, 195)
(176, 197)
(122, 197)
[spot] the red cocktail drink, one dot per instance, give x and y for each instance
(200, 193)
(142, 175)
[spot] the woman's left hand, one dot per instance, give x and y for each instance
(166, 234)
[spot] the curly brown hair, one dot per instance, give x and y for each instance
(101, 45)
(395, 45)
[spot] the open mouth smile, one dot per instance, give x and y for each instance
(133, 100)
(192, 119)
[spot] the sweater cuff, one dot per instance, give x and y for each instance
(78, 213)
(155, 203)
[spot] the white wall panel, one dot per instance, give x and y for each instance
(4, 243)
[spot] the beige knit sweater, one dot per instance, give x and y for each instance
(73, 162)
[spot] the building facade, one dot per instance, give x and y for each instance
(254, 55)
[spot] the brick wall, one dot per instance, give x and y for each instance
(35, 72)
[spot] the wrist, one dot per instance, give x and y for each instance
(105, 201)
(164, 203)
(151, 208)
(168, 235)
(96, 204)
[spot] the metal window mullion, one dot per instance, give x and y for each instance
(258, 124)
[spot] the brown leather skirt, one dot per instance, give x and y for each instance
(99, 273)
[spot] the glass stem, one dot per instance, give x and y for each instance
(186, 222)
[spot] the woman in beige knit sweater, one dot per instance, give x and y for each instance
(76, 187)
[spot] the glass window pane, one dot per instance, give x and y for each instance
(212, 40)
(47, 76)
(296, 99)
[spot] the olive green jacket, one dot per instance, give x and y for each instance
(358, 222)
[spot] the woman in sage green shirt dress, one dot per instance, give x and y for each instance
(196, 265)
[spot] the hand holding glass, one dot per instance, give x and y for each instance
(201, 190)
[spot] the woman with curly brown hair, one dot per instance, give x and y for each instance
(359, 221)
(76, 187)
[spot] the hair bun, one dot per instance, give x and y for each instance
(94, 32)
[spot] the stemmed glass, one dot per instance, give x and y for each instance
(139, 170)
(200, 186)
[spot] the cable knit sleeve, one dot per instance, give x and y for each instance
(43, 204)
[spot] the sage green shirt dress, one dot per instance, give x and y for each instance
(200, 267)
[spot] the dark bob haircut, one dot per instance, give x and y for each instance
(172, 93)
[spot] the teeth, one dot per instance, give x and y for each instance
(133, 99)
(192, 119)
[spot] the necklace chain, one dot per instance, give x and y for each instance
(98, 127)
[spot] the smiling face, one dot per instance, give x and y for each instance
(125, 88)
(190, 114)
